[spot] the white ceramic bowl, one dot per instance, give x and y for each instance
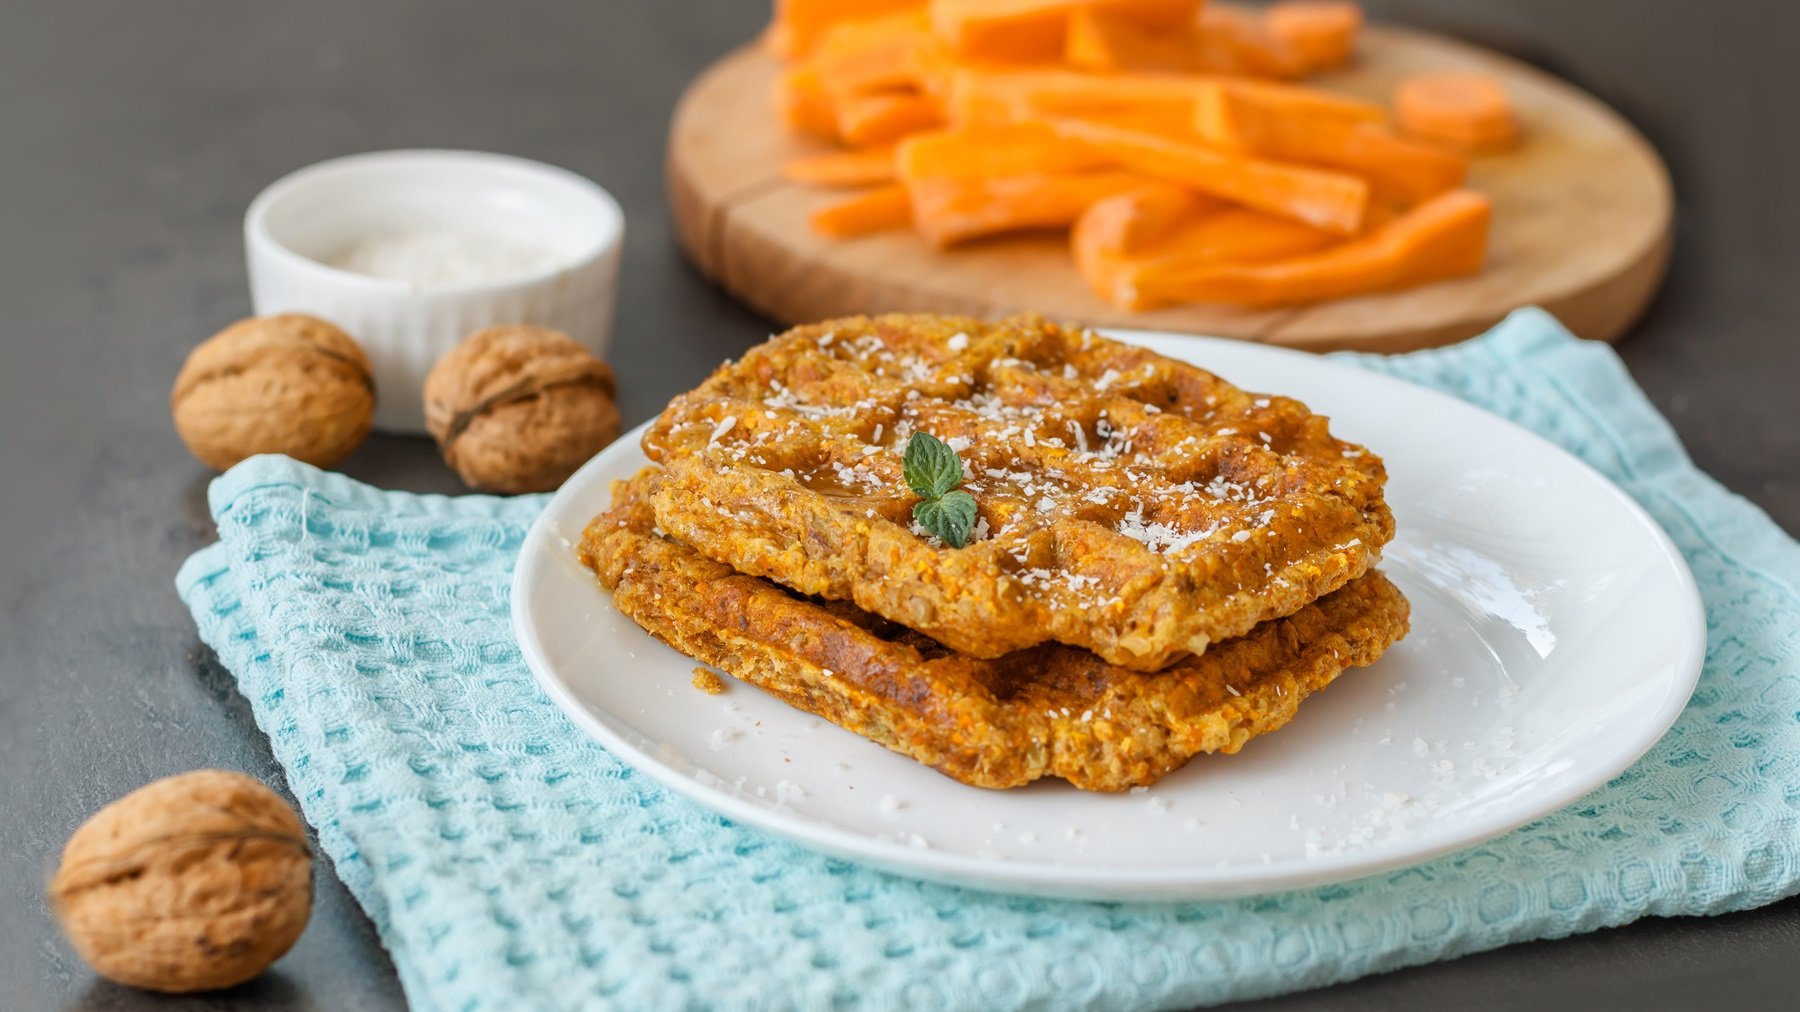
(305, 221)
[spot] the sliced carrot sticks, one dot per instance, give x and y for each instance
(874, 210)
(1243, 113)
(1397, 169)
(984, 98)
(1307, 126)
(1107, 43)
(947, 211)
(1153, 13)
(1173, 239)
(803, 103)
(1003, 30)
(1443, 238)
(842, 168)
(1314, 35)
(800, 24)
(1163, 134)
(1329, 200)
(1239, 235)
(1237, 40)
(1035, 31)
(1132, 221)
(857, 58)
(1110, 231)
(886, 117)
(1012, 150)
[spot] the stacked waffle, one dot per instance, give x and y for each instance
(1161, 564)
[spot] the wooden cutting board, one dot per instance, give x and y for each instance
(1582, 214)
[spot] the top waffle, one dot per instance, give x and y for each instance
(1130, 504)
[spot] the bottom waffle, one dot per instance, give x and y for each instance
(1050, 710)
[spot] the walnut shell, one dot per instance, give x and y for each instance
(190, 883)
(275, 384)
(518, 409)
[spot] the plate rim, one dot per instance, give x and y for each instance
(1111, 883)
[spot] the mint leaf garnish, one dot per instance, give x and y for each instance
(952, 517)
(930, 466)
(933, 472)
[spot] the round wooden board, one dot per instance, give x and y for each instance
(1582, 213)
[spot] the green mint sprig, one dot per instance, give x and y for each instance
(933, 472)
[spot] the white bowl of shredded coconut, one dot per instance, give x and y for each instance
(411, 251)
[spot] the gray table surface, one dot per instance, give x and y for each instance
(133, 135)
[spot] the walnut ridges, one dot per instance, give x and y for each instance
(288, 384)
(190, 883)
(518, 409)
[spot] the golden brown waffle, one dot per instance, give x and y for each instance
(1044, 711)
(1130, 504)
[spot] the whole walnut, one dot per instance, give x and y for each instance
(288, 384)
(518, 409)
(190, 883)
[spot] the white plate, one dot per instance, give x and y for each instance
(1556, 634)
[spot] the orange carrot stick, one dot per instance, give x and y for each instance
(1289, 40)
(1153, 13)
(800, 24)
(885, 117)
(1396, 168)
(1135, 220)
(842, 168)
(1003, 30)
(1034, 31)
(1462, 110)
(849, 36)
(947, 211)
(1241, 236)
(1110, 230)
(858, 57)
(1236, 40)
(1160, 119)
(1330, 200)
(1443, 238)
(883, 67)
(804, 104)
(1110, 44)
(1241, 113)
(1117, 242)
(1315, 35)
(985, 98)
(1306, 125)
(875, 210)
(1012, 150)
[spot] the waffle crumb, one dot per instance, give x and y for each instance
(708, 681)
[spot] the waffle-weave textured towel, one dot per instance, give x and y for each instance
(511, 863)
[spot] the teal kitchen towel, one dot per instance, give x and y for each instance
(510, 863)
